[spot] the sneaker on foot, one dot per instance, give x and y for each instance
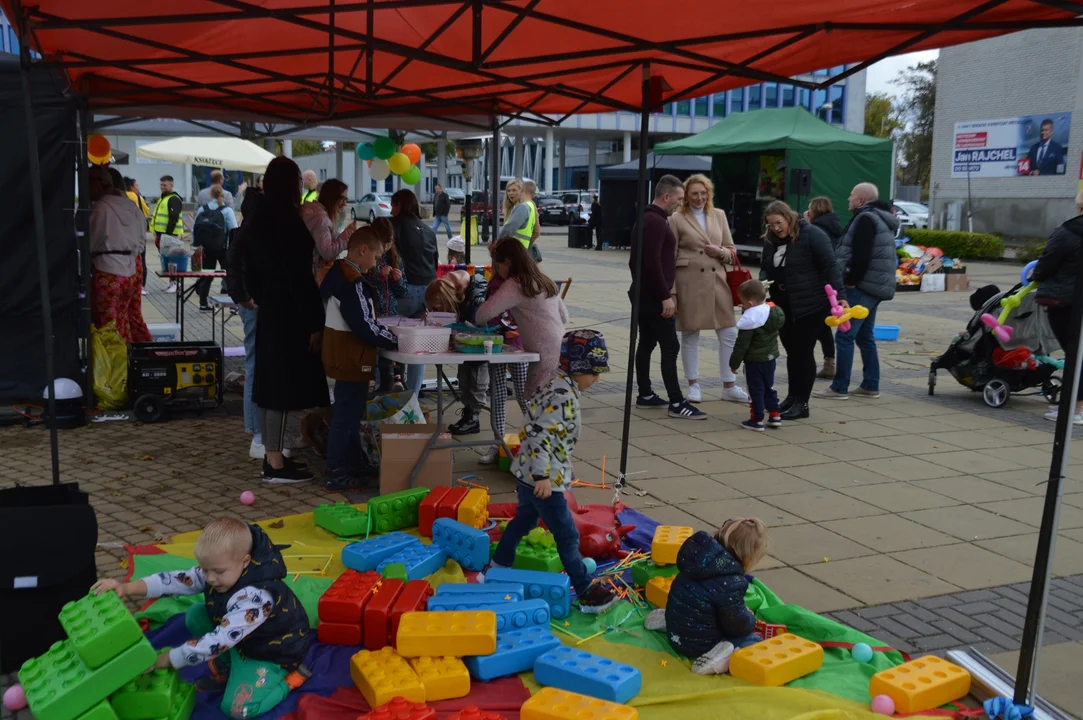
(715, 661)
(468, 423)
(171, 288)
(489, 458)
(341, 479)
(205, 308)
(695, 395)
(1077, 419)
(144, 292)
(774, 420)
(865, 392)
(735, 394)
(753, 425)
(829, 394)
(685, 411)
(256, 451)
(655, 620)
(650, 401)
(289, 474)
(597, 599)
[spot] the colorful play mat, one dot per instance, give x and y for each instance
(839, 689)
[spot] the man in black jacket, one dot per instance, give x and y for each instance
(596, 219)
(441, 208)
(657, 304)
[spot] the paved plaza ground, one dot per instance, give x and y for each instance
(911, 517)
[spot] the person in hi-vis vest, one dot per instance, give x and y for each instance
(167, 218)
(311, 190)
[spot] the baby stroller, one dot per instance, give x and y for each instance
(978, 360)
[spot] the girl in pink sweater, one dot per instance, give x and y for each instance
(538, 309)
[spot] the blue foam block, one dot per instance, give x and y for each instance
(420, 561)
(519, 615)
(554, 588)
(368, 554)
(585, 673)
(481, 601)
(514, 591)
(516, 652)
(465, 545)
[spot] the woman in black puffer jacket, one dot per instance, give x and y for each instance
(799, 261)
(822, 214)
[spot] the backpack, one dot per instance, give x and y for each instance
(209, 230)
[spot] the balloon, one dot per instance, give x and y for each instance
(399, 163)
(98, 160)
(384, 148)
(368, 163)
(412, 176)
(413, 152)
(366, 151)
(98, 146)
(1025, 276)
(379, 170)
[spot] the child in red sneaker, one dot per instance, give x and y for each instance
(757, 348)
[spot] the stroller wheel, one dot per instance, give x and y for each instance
(1051, 390)
(996, 393)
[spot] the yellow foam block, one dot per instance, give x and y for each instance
(552, 704)
(667, 543)
(444, 678)
(455, 634)
(922, 684)
(777, 661)
(382, 675)
(658, 590)
(474, 509)
(512, 441)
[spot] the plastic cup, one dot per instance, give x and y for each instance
(172, 267)
(488, 347)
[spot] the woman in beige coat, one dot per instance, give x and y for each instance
(704, 300)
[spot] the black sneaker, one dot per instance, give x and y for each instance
(797, 411)
(597, 599)
(467, 425)
(288, 474)
(341, 479)
(650, 401)
(753, 425)
(774, 420)
(205, 308)
(684, 410)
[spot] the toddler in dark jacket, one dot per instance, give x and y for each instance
(705, 616)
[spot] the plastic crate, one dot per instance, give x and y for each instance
(886, 332)
(422, 339)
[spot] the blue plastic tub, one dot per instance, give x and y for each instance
(181, 262)
(889, 333)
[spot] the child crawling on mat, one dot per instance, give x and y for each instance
(248, 611)
(543, 466)
(705, 616)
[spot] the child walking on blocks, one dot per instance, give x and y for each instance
(757, 348)
(250, 629)
(543, 466)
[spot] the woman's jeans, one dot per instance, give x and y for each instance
(413, 306)
(860, 334)
(251, 412)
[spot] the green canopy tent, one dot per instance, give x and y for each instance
(748, 148)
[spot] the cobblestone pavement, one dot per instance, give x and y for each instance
(912, 517)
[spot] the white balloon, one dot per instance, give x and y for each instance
(379, 170)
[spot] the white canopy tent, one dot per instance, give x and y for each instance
(220, 152)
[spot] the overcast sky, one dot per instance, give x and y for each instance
(882, 73)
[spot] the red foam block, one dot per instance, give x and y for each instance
(378, 613)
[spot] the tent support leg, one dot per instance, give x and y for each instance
(1026, 682)
(43, 255)
(494, 173)
(641, 205)
(82, 235)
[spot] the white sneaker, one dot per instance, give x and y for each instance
(655, 620)
(171, 288)
(695, 395)
(735, 394)
(1077, 419)
(715, 661)
(256, 451)
(489, 458)
(144, 292)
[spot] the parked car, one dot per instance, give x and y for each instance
(372, 206)
(576, 206)
(551, 211)
(456, 195)
(912, 214)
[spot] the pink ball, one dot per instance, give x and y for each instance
(883, 705)
(15, 698)
(248, 497)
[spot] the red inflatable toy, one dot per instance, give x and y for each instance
(600, 532)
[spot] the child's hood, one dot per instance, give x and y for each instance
(341, 275)
(267, 563)
(768, 317)
(702, 557)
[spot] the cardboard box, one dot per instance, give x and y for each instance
(401, 447)
(956, 282)
(933, 266)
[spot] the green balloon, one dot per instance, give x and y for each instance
(412, 176)
(366, 151)
(384, 148)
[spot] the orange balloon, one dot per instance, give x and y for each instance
(368, 163)
(98, 159)
(413, 152)
(98, 146)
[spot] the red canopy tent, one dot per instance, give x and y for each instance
(322, 61)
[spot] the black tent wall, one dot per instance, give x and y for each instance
(22, 358)
(619, 184)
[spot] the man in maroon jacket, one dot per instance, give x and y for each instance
(657, 304)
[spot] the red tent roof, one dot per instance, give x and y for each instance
(308, 61)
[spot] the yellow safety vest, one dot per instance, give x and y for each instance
(308, 196)
(161, 217)
(526, 233)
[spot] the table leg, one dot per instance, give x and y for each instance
(180, 305)
(436, 435)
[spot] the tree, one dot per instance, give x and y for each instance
(429, 149)
(917, 108)
(306, 147)
(881, 117)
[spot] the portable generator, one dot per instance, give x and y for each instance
(174, 375)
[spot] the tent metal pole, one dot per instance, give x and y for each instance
(1033, 626)
(43, 254)
(641, 205)
(494, 173)
(82, 237)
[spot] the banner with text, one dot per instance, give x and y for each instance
(1011, 147)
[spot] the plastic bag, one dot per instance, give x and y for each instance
(109, 355)
(397, 408)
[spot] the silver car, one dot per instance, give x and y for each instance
(912, 214)
(372, 206)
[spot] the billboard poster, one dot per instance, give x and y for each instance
(1026, 146)
(769, 185)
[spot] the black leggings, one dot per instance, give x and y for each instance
(799, 338)
(827, 342)
(1060, 322)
